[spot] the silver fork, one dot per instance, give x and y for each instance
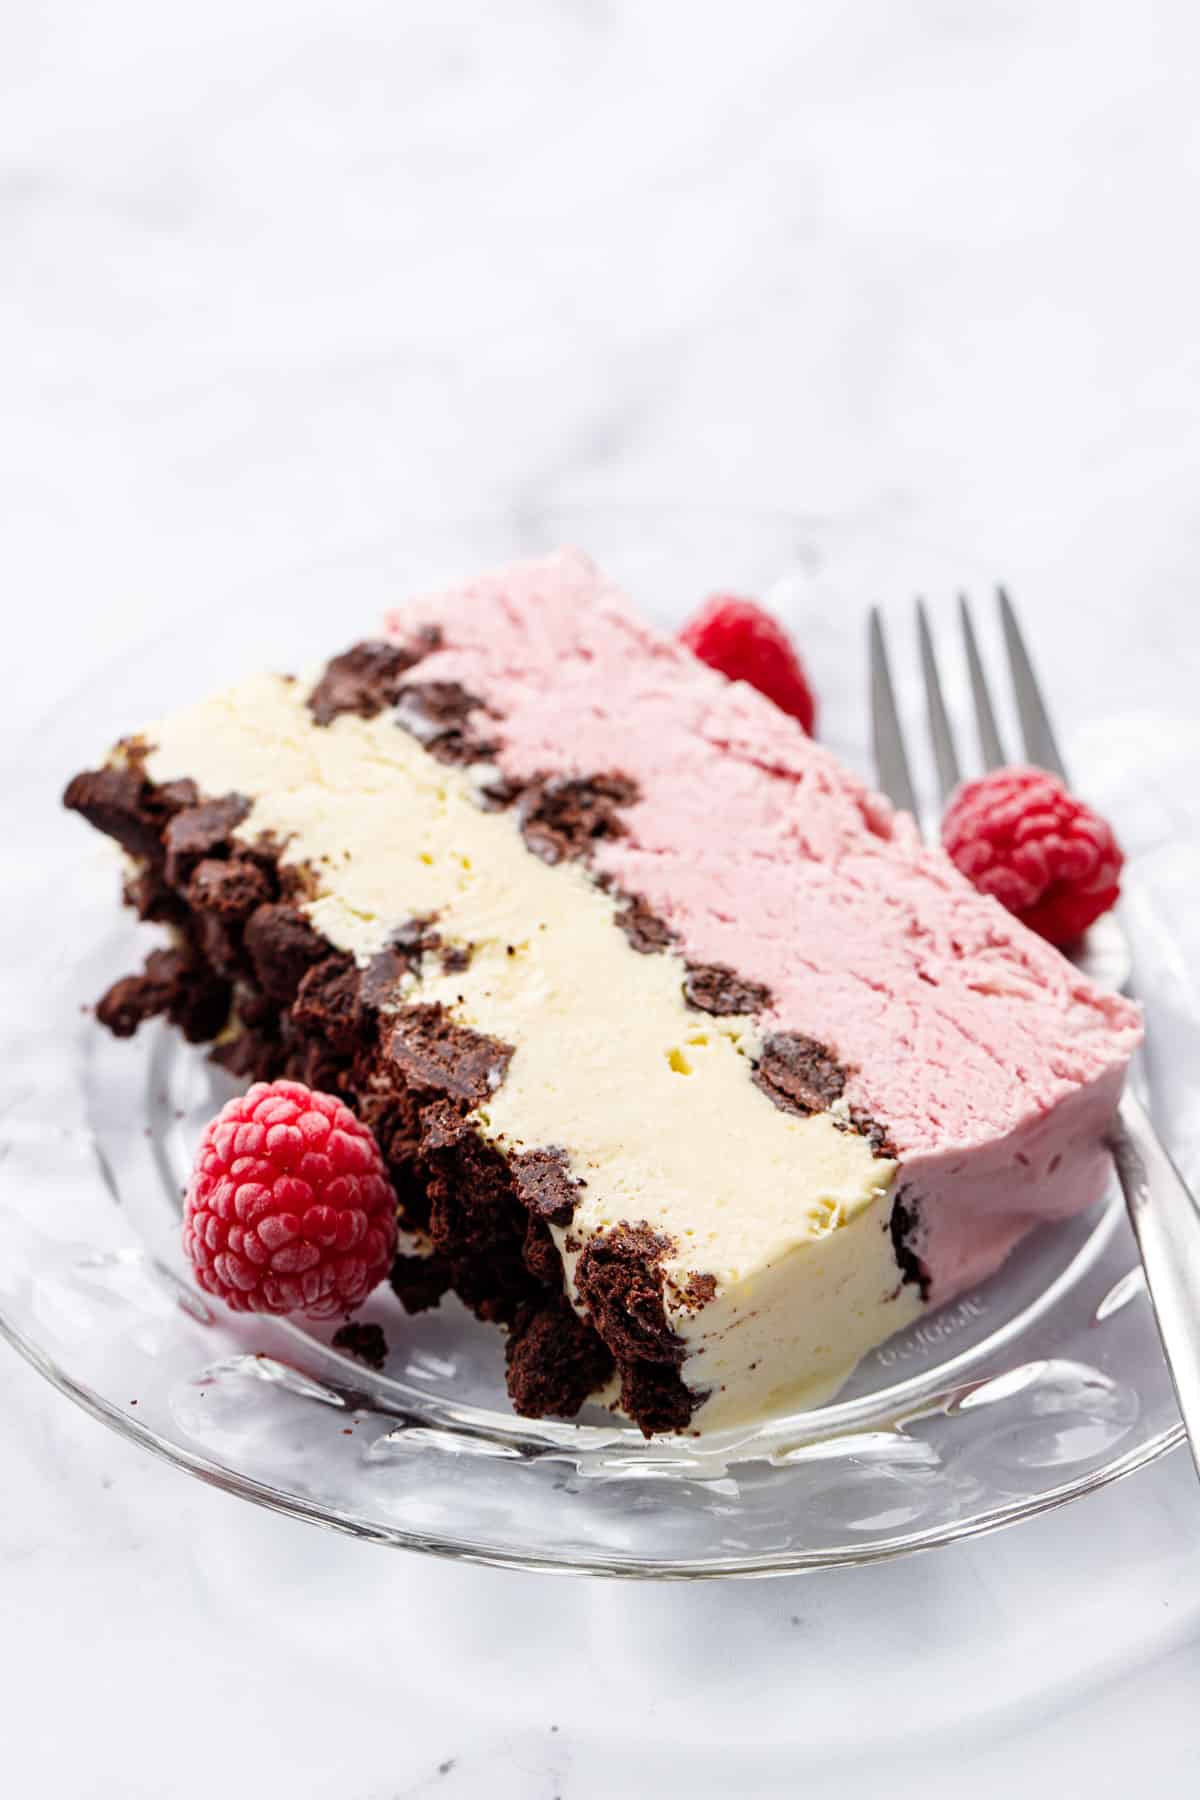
(1163, 1212)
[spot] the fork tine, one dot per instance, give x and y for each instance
(940, 729)
(1041, 746)
(990, 742)
(891, 762)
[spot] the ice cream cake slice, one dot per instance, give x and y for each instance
(692, 1066)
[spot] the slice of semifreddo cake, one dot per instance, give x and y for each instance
(692, 1066)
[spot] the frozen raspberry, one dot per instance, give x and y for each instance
(742, 641)
(289, 1208)
(1023, 837)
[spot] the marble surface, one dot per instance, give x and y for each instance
(280, 278)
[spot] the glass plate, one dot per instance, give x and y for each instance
(1044, 1384)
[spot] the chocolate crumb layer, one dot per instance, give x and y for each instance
(172, 982)
(229, 889)
(904, 1225)
(654, 1396)
(546, 1185)
(620, 1281)
(438, 715)
(282, 947)
(718, 989)
(200, 831)
(327, 1002)
(429, 1051)
(646, 932)
(563, 817)
(367, 678)
(420, 1282)
(555, 1361)
(799, 1074)
(364, 1342)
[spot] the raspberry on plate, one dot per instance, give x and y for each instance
(1020, 835)
(741, 640)
(289, 1208)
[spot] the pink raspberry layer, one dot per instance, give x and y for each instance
(993, 1064)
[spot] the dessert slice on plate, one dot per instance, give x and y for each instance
(690, 1064)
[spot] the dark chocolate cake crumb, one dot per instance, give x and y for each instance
(545, 1184)
(419, 1282)
(799, 1074)
(437, 714)
(903, 1226)
(364, 1342)
(380, 982)
(620, 1281)
(878, 1136)
(646, 932)
(540, 1253)
(172, 982)
(431, 1052)
(367, 678)
(653, 1395)
(201, 831)
(231, 889)
(716, 988)
(555, 1361)
(327, 1004)
(562, 817)
(282, 947)
(121, 803)
(475, 1219)
(697, 1290)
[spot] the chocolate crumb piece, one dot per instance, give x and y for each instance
(540, 1255)
(799, 1074)
(715, 988)
(419, 1282)
(379, 983)
(620, 1281)
(171, 982)
(282, 946)
(201, 831)
(431, 1052)
(326, 1003)
(545, 1184)
(654, 1396)
(138, 997)
(903, 1226)
(367, 678)
(116, 801)
(456, 958)
(697, 1290)
(229, 889)
(364, 1342)
(647, 933)
(555, 1360)
(561, 818)
(878, 1137)
(437, 714)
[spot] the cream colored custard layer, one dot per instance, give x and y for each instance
(652, 1102)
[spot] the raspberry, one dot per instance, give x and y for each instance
(1023, 837)
(289, 1208)
(745, 643)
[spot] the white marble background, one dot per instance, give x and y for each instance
(276, 278)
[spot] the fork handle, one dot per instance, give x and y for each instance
(1166, 1222)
